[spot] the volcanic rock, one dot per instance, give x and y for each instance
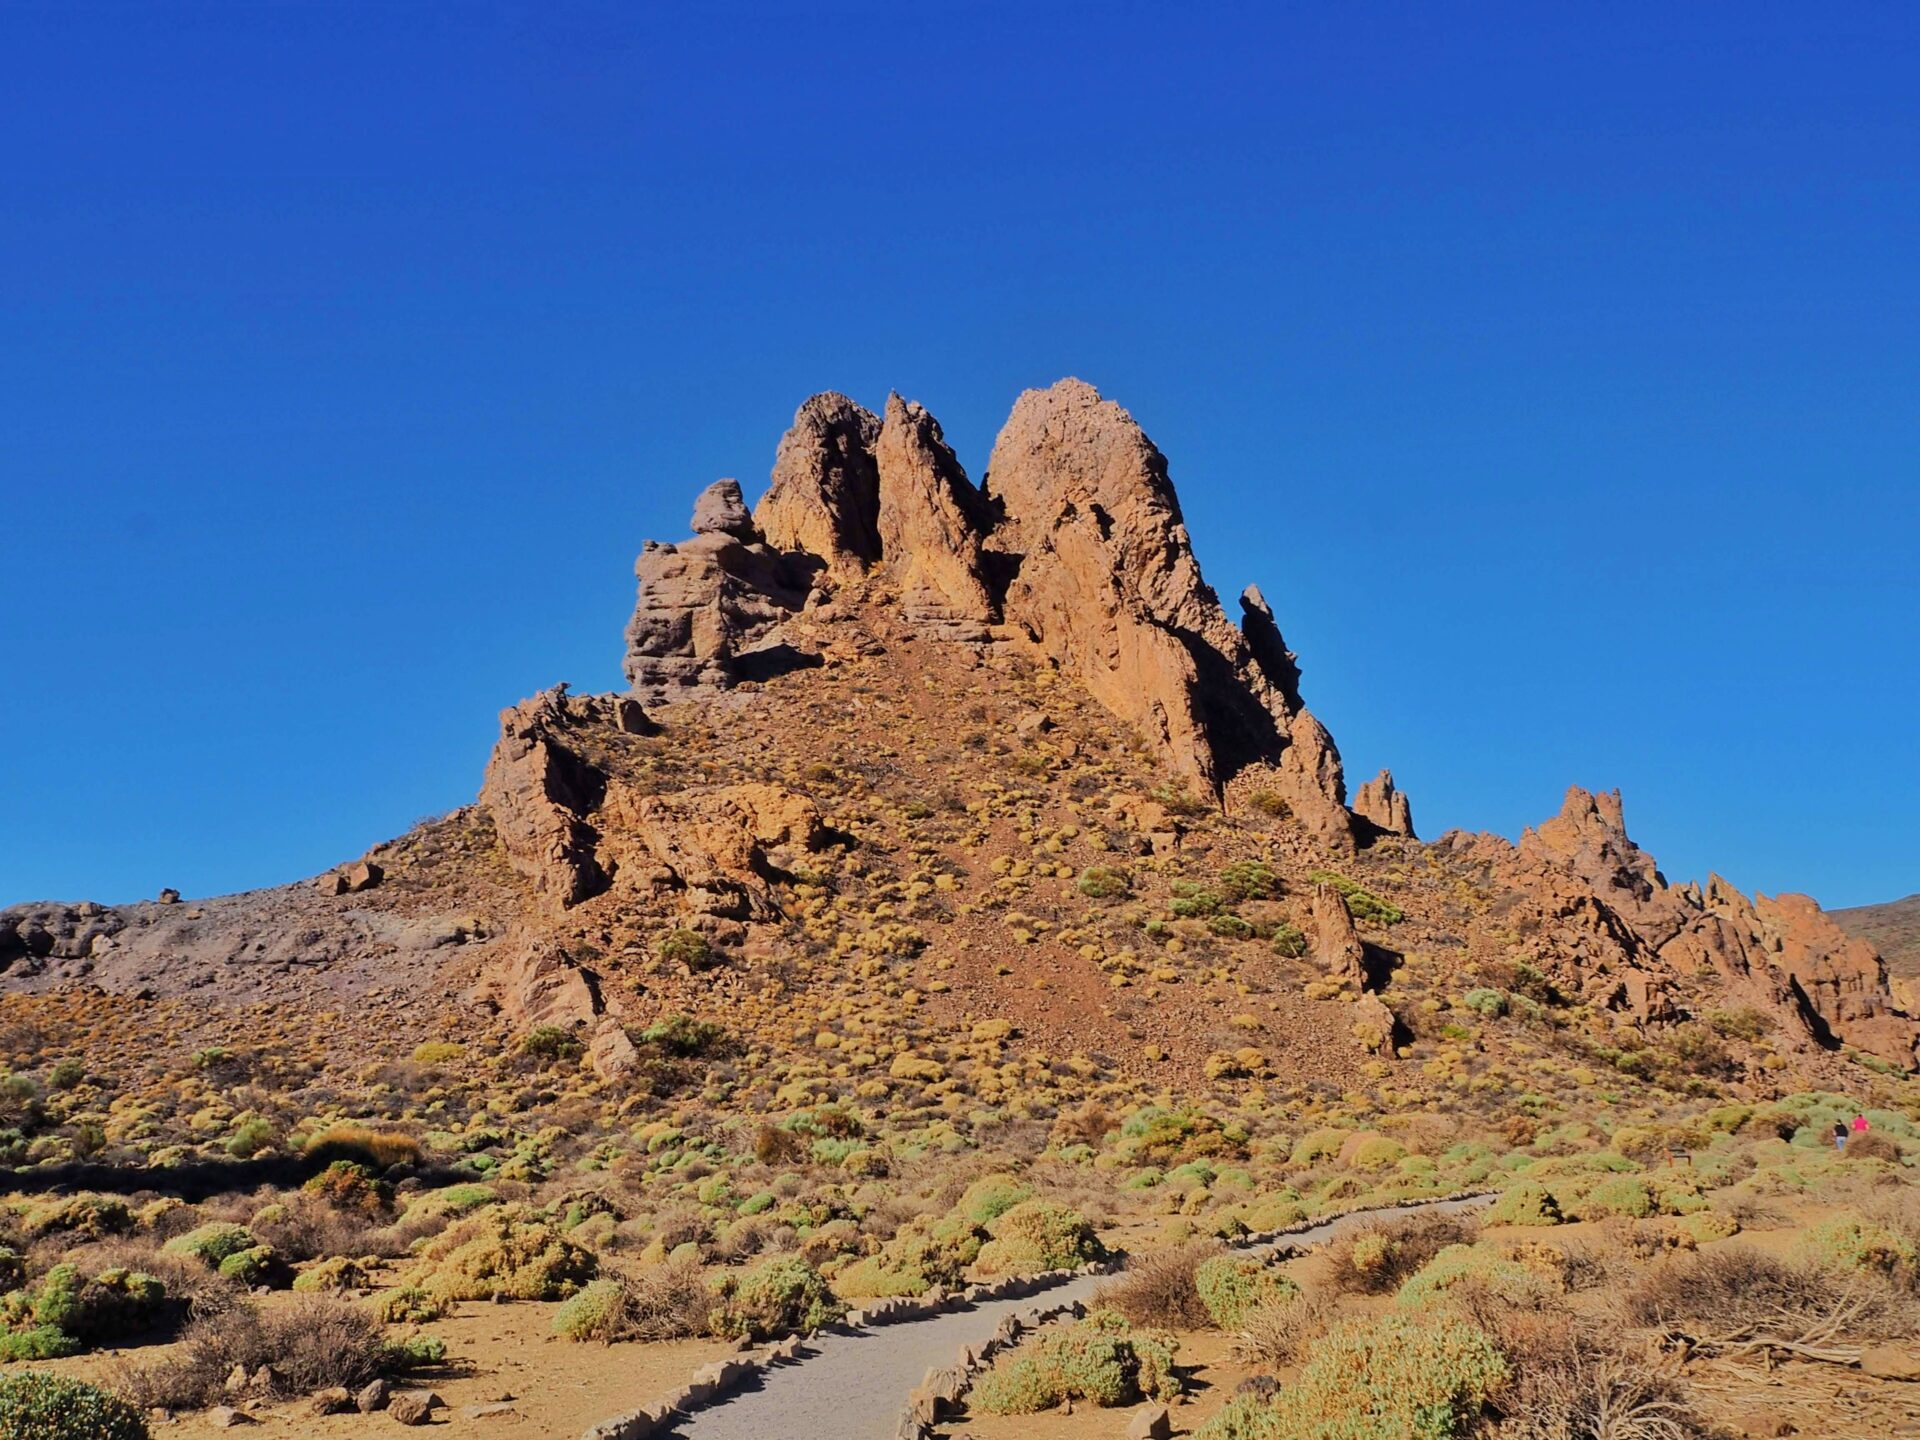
(1383, 805)
(930, 521)
(1105, 582)
(538, 791)
(824, 501)
(1336, 945)
(722, 510)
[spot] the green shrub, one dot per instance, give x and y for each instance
(684, 1037)
(1289, 940)
(1248, 880)
(783, 1296)
(255, 1266)
(990, 1197)
(921, 1255)
(1486, 1269)
(211, 1243)
(1232, 1285)
(1852, 1242)
(598, 1312)
(1525, 1204)
(250, 1137)
(1104, 882)
(1619, 1195)
(688, 948)
(1364, 904)
(42, 1342)
(38, 1406)
(338, 1272)
(1491, 1003)
(551, 1042)
(1101, 1359)
(1038, 1235)
(1391, 1378)
(504, 1250)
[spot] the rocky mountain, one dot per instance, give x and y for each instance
(1892, 928)
(890, 733)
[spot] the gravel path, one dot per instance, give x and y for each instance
(854, 1386)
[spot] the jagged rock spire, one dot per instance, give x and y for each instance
(1075, 540)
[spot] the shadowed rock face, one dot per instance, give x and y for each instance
(825, 497)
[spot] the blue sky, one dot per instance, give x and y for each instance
(1551, 368)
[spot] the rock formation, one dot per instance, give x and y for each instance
(824, 501)
(1384, 806)
(930, 522)
(710, 605)
(1602, 920)
(1336, 945)
(539, 790)
(1076, 541)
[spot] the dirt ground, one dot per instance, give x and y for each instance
(495, 1353)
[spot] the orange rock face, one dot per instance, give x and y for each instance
(1604, 921)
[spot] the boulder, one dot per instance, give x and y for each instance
(722, 510)
(373, 1396)
(1150, 1422)
(414, 1407)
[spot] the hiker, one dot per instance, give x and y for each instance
(1840, 1135)
(1859, 1124)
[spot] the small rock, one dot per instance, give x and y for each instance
(237, 1380)
(331, 1401)
(413, 1407)
(1152, 1422)
(499, 1410)
(169, 896)
(373, 1397)
(225, 1417)
(1890, 1362)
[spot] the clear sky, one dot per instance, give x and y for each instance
(1555, 371)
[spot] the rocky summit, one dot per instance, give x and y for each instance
(957, 890)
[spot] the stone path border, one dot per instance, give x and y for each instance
(943, 1386)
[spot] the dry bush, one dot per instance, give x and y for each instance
(308, 1346)
(376, 1148)
(1740, 1296)
(1087, 1125)
(668, 1302)
(1589, 1396)
(1377, 1257)
(1279, 1334)
(1873, 1146)
(1157, 1288)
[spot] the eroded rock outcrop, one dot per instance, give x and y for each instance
(1336, 945)
(1076, 541)
(1384, 806)
(1597, 915)
(710, 608)
(539, 985)
(716, 851)
(1104, 580)
(930, 522)
(540, 789)
(824, 500)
